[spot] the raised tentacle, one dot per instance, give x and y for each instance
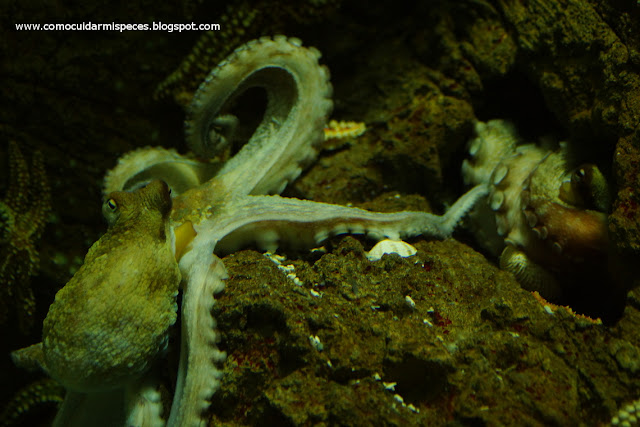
(287, 139)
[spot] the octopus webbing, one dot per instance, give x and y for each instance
(214, 209)
(547, 220)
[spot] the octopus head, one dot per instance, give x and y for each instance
(149, 206)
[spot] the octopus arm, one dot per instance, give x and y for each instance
(531, 275)
(298, 104)
(198, 377)
(268, 220)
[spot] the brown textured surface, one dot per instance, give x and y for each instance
(487, 353)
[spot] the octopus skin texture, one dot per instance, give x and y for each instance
(110, 321)
(546, 219)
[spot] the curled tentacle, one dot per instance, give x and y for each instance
(298, 95)
(139, 167)
(284, 142)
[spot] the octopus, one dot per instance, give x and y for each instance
(109, 324)
(547, 220)
(138, 298)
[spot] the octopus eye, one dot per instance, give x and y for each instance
(579, 176)
(110, 211)
(587, 188)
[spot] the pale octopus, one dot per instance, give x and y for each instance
(546, 218)
(109, 324)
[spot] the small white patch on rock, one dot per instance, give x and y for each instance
(391, 247)
(410, 302)
(316, 343)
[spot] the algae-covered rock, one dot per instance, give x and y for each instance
(474, 346)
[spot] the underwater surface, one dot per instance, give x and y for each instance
(328, 336)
